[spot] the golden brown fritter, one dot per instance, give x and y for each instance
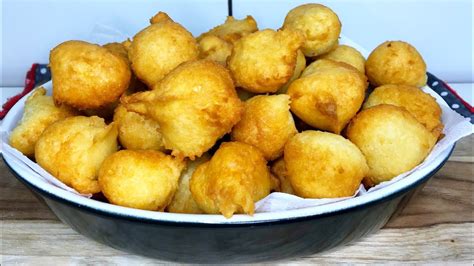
(278, 169)
(195, 105)
(73, 149)
(233, 29)
(38, 114)
(87, 76)
(214, 48)
(391, 139)
(232, 181)
(141, 179)
(326, 64)
(266, 124)
(265, 61)
(137, 132)
(159, 48)
(183, 201)
(328, 97)
(318, 23)
(348, 55)
(324, 165)
(299, 67)
(396, 62)
(118, 49)
(420, 104)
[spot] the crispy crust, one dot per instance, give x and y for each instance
(267, 124)
(183, 201)
(214, 48)
(420, 104)
(87, 76)
(142, 179)
(323, 165)
(346, 54)
(39, 113)
(232, 29)
(319, 24)
(73, 149)
(396, 62)
(391, 139)
(327, 97)
(234, 178)
(137, 132)
(265, 61)
(278, 169)
(195, 105)
(159, 48)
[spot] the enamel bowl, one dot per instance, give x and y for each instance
(215, 239)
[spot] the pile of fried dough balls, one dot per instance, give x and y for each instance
(170, 122)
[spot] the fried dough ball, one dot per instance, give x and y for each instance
(299, 67)
(214, 48)
(396, 62)
(320, 25)
(232, 29)
(232, 181)
(183, 201)
(324, 165)
(348, 55)
(265, 61)
(325, 64)
(420, 104)
(137, 132)
(266, 124)
(39, 113)
(278, 169)
(159, 48)
(391, 139)
(141, 179)
(195, 105)
(329, 97)
(73, 149)
(87, 76)
(118, 49)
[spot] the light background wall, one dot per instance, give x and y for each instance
(440, 30)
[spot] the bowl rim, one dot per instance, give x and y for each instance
(181, 223)
(58, 194)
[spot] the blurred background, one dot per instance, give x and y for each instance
(440, 30)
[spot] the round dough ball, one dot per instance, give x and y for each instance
(328, 97)
(324, 165)
(195, 105)
(348, 55)
(278, 169)
(232, 181)
(299, 67)
(141, 179)
(391, 139)
(396, 62)
(214, 48)
(137, 132)
(38, 114)
(320, 25)
(118, 49)
(232, 29)
(266, 124)
(265, 61)
(159, 48)
(73, 149)
(420, 104)
(183, 201)
(87, 76)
